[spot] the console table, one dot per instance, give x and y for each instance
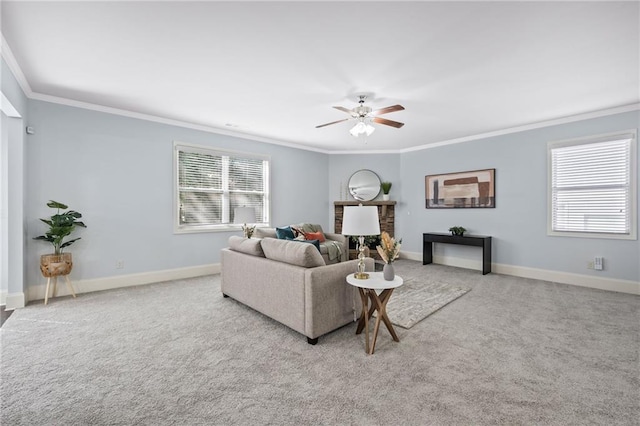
(468, 240)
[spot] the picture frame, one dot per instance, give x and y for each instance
(472, 189)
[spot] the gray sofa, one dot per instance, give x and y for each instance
(290, 282)
(327, 248)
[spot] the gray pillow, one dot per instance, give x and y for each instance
(292, 252)
(265, 233)
(246, 245)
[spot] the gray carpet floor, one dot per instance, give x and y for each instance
(511, 351)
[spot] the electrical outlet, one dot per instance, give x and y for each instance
(598, 262)
(590, 265)
(120, 264)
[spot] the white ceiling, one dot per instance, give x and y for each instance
(275, 69)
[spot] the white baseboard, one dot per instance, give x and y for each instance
(610, 284)
(36, 292)
(14, 301)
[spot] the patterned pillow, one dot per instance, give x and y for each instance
(298, 233)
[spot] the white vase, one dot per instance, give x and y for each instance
(385, 197)
(387, 272)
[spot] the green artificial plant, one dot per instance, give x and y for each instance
(60, 225)
(369, 240)
(386, 187)
(457, 230)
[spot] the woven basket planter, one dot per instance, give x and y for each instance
(55, 265)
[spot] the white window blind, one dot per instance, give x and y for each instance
(591, 186)
(212, 183)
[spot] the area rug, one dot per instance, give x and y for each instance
(419, 296)
(415, 300)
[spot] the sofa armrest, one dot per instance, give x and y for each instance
(330, 302)
(344, 243)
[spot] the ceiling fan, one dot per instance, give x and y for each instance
(363, 114)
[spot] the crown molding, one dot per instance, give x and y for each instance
(10, 59)
(532, 126)
(7, 54)
(168, 121)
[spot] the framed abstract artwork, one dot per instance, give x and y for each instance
(474, 189)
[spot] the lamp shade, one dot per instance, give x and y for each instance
(244, 215)
(360, 220)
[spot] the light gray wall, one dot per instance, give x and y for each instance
(12, 191)
(518, 224)
(117, 171)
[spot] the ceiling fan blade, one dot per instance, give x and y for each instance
(388, 109)
(391, 123)
(348, 111)
(333, 122)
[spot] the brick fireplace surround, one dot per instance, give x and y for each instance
(386, 216)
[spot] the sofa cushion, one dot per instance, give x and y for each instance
(250, 246)
(292, 252)
(284, 233)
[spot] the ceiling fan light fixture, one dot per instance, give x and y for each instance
(365, 116)
(362, 128)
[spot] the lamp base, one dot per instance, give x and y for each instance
(361, 275)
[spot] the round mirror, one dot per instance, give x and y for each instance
(364, 185)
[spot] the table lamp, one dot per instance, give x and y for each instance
(245, 215)
(360, 221)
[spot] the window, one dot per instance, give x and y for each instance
(212, 183)
(592, 186)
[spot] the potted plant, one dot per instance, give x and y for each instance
(457, 230)
(61, 225)
(386, 187)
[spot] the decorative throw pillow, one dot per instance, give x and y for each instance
(298, 233)
(285, 233)
(300, 239)
(315, 236)
(314, 242)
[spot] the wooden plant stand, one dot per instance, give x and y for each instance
(54, 266)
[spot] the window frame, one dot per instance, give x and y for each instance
(633, 171)
(223, 227)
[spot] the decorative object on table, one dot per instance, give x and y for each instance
(364, 185)
(364, 116)
(474, 189)
(369, 241)
(386, 187)
(245, 216)
(457, 230)
(360, 220)
(61, 225)
(389, 250)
